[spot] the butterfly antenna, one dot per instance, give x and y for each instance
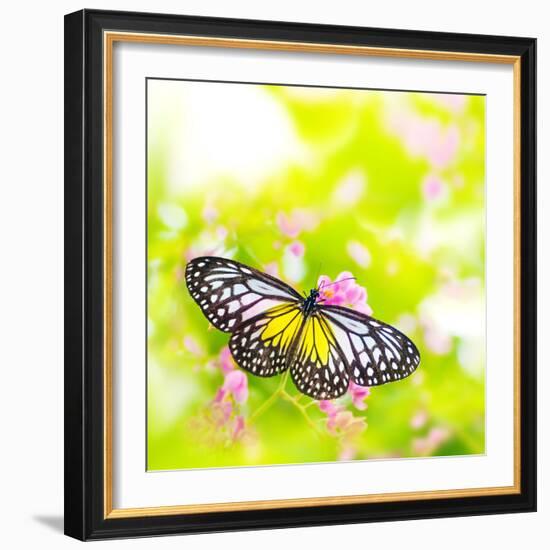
(317, 276)
(340, 281)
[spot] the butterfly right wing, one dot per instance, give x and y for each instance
(376, 352)
(319, 368)
(230, 293)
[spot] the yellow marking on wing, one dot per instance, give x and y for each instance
(290, 331)
(308, 341)
(282, 327)
(277, 310)
(316, 341)
(321, 342)
(328, 330)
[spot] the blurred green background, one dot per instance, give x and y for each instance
(292, 180)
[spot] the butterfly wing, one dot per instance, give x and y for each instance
(319, 368)
(282, 337)
(263, 345)
(230, 293)
(376, 353)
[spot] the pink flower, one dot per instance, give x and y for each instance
(339, 419)
(359, 253)
(226, 360)
(349, 190)
(437, 341)
(358, 395)
(341, 423)
(349, 452)
(220, 395)
(419, 420)
(221, 422)
(427, 445)
(236, 383)
(425, 137)
(209, 213)
(297, 221)
(210, 242)
(438, 436)
(344, 291)
(432, 188)
(222, 232)
(442, 151)
(329, 408)
(287, 225)
(344, 423)
(238, 428)
(297, 249)
(192, 346)
(221, 409)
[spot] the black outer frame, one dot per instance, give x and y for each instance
(84, 515)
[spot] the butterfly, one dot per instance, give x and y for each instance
(273, 328)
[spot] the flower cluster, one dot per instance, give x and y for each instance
(223, 419)
(342, 423)
(344, 291)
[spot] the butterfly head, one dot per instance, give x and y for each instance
(311, 301)
(314, 294)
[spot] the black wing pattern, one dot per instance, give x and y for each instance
(376, 353)
(230, 293)
(263, 345)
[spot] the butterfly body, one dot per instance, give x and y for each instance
(310, 303)
(273, 328)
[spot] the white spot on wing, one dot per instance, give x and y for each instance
(249, 298)
(233, 306)
(263, 288)
(350, 324)
(225, 294)
(357, 343)
(239, 289)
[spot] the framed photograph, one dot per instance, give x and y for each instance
(300, 274)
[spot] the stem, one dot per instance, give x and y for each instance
(283, 381)
(271, 399)
(302, 410)
(281, 392)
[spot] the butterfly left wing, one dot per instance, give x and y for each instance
(230, 293)
(263, 345)
(318, 366)
(376, 352)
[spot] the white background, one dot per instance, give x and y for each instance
(31, 460)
